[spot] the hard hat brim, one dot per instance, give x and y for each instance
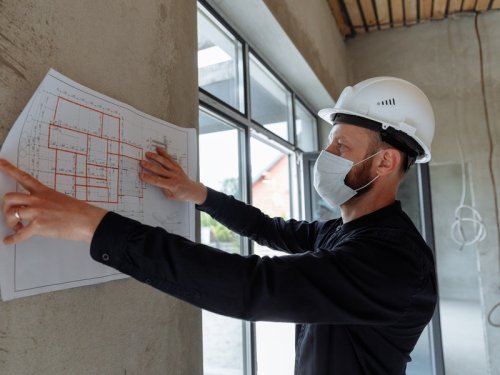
(327, 114)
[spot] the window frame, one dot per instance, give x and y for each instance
(211, 11)
(315, 129)
(291, 118)
(242, 120)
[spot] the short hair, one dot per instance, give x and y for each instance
(376, 143)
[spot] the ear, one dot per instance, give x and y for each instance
(389, 162)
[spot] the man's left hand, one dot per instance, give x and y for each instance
(46, 212)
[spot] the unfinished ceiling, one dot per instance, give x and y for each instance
(363, 16)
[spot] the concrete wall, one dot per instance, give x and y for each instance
(313, 30)
(443, 59)
(145, 55)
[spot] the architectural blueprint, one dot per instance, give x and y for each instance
(88, 146)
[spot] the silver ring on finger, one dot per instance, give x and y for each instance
(17, 215)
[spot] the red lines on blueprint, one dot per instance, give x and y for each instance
(91, 161)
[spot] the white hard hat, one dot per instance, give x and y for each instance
(396, 108)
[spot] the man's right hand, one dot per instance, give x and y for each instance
(165, 173)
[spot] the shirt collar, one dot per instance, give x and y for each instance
(375, 216)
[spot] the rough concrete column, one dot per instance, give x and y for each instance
(142, 53)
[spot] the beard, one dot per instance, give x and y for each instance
(360, 176)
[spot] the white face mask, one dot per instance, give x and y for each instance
(330, 172)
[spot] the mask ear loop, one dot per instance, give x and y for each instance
(369, 157)
(377, 176)
(362, 187)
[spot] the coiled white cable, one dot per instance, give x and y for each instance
(490, 314)
(457, 229)
(492, 148)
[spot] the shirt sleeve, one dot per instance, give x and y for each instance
(290, 236)
(313, 287)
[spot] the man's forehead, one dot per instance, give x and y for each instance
(348, 131)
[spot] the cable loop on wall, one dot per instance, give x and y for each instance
(490, 320)
(457, 229)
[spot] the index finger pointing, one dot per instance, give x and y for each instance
(26, 180)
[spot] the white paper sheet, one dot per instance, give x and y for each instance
(88, 146)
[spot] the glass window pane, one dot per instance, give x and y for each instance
(219, 169)
(305, 128)
(270, 179)
(270, 100)
(220, 68)
(409, 196)
(271, 193)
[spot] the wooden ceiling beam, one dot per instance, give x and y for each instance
(482, 5)
(439, 10)
(411, 12)
(397, 13)
(371, 20)
(454, 6)
(384, 19)
(339, 17)
(355, 15)
(425, 9)
(360, 16)
(469, 6)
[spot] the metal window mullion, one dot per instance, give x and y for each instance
(293, 138)
(249, 351)
(294, 186)
(246, 81)
(212, 103)
(316, 133)
(424, 190)
(293, 159)
(249, 327)
(300, 186)
(306, 160)
(246, 173)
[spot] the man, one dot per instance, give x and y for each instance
(361, 288)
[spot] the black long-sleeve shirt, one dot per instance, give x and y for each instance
(361, 292)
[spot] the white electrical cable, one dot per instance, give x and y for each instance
(457, 231)
(492, 146)
(490, 320)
